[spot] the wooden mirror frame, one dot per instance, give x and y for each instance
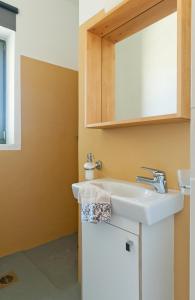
(98, 38)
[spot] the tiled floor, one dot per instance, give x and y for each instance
(48, 272)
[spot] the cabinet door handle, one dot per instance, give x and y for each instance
(129, 246)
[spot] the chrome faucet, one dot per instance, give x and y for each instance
(159, 181)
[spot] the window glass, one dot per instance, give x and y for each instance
(2, 91)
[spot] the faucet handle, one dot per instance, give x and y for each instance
(155, 171)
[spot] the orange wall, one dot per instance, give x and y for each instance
(124, 150)
(36, 203)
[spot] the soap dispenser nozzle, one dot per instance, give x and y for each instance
(90, 157)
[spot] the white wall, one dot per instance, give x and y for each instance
(146, 71)
(109, 4)
(47, 30)
(192, 203)
(88, 8)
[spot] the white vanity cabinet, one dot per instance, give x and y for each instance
(132, 258)
(110, 271)
(125, 260)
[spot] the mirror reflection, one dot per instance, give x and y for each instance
(146, 72)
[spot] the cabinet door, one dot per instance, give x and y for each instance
(110, 271)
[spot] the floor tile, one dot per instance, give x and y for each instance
(48, 272)
(31, 285)
(57, 261)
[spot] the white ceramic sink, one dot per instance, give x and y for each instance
(139, 204)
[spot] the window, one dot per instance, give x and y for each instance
(10, 127)
(2, 92)
(9, 105)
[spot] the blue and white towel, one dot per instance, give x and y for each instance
(95, 204)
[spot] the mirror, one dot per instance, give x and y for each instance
(146, 72)
(137, 65)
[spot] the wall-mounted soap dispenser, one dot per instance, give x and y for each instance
(90, 166)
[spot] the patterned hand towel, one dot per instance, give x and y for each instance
(95, 204)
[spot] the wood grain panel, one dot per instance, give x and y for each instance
(122, 14)
(108, 80)
(93, 79)
(156, 13)
(174, 118)
(184, 57)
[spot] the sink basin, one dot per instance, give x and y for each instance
(139, 204)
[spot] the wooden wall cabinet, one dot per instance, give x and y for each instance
(99, 36)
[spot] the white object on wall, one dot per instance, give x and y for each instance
(184, 181)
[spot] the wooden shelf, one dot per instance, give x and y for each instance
(173, 118)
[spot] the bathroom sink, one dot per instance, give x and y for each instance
(137, 203)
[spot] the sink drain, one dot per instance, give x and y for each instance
(7, 279)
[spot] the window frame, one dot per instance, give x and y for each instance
(12, 101)
(3, 113)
